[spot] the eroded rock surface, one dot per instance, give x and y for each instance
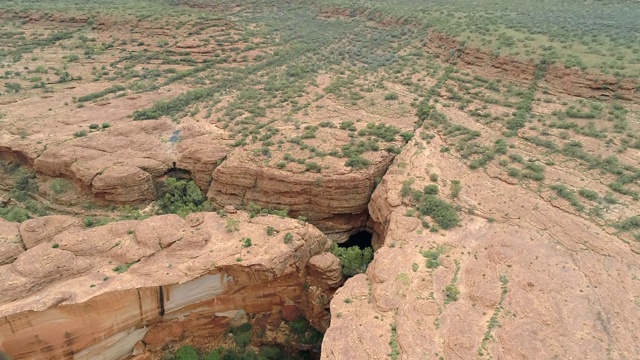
(535, 282)
(323, 198)
(10, 242)
(164, 278)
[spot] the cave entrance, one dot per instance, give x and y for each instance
(361, 239)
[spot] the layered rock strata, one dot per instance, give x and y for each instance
(333, 201)
(88, 293)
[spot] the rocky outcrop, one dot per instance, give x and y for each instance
(324, 275)
(558, 79)
(164, 278)
(200, 156)
(10, 242)
(117, 165)
(325, 198)
(538, 282)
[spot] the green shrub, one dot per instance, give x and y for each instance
(588, 194)
(313, 167)
(391, 96)
(182, 197)
(565, 193)
(353, 259)
(14, 213)
(89, 221)
(232, 225)
(270, 230)
(431, 189)
(357, 162)
(442, 212)
(451, 293)
(455, 188)
(81, 133)
(433, 177)
(59, 186)
(187, 352)
(327, 124)
(406, 187)
(514, 172)
(630, 223)
(242, 335)
(382, 131)
(348, 125)
(123, 267)
(288, 238)
(432, 258)
(246, 242)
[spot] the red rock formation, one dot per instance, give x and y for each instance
(179, 278)
(538, 282)
(326, 199)
(10, 244)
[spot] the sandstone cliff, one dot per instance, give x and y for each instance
(88, 293)
(333, 201)
(534, 282)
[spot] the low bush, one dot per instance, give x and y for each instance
(182, 197)
(353, 259)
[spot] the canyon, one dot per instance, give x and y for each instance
(499, 195)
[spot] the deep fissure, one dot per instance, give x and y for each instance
(362, 239)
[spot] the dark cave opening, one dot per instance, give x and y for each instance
(361, 239)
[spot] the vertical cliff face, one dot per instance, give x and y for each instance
(162, 280)
(333, 201)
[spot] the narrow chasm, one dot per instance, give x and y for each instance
(361, 238)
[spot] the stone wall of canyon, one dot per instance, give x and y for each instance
(187, 279)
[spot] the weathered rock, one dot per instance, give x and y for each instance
(160, 231)
(552, 280)
(117, 165)
(573, 81)
(162, 278)
(319, 197)
(43, 229)
(200, 156)
(10, 242)
(325, 271)
(109, 185)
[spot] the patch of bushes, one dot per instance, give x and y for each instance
(588, 194)
(14, 213)
(90, 221)
(96, 95)
(353, 259)
(432, 257)
(565, 193)
(357, 162)
(391, 96)
(59, 186)
(383, 131)
(441, 211)
(431, 189)
(182, 197)
(123, 267)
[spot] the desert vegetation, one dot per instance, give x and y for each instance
(123, 110)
